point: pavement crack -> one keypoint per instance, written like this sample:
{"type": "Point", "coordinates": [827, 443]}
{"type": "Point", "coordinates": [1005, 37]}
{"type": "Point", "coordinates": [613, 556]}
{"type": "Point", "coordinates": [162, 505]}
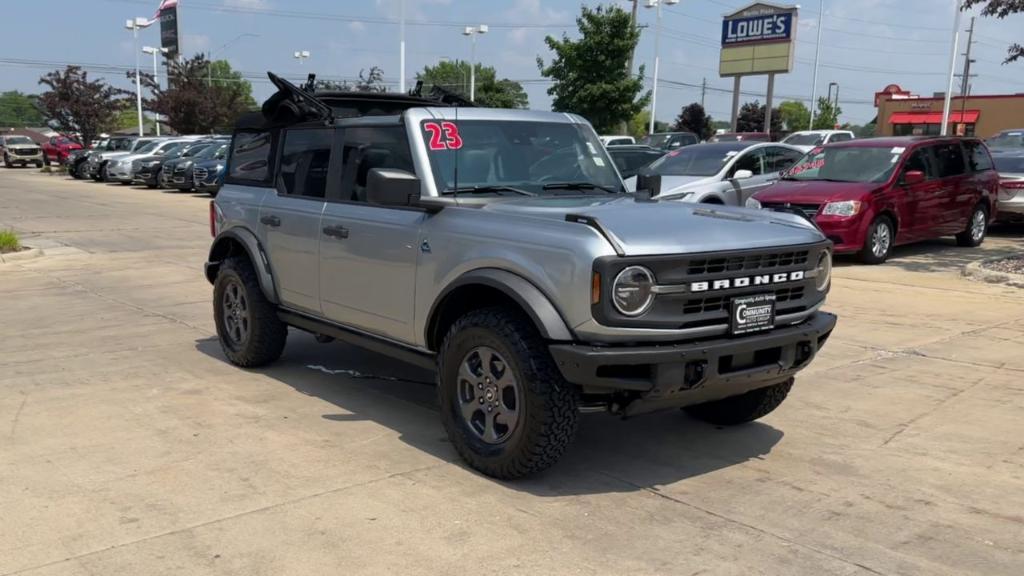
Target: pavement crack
{"type": "Point", "coordinates": [360, 375]}
{"type": "Point", "coordinates": [17, 415]}
{"type": "Point", "coordinates": [746, 525]}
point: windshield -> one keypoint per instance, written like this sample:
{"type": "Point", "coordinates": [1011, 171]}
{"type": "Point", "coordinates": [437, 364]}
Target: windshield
{"type": "Point", "coordinates": [698, 160]}
{"type": "Point", "coordinates": [534, 157]}
{"type": "Point", "coordinates": [189, 153]}
{"type": "Point", "coordinates": [147, 148]}
{"type": "Point", "coordinates": [120, 144]}
{"type": "Point", "coordinates": [213, 151]}
{"type": "Point", "coordinates": [1007, 140]}
{"type": "Point", "coordinates": [19, 140]}
{"type": "Point", "coordinates": [804, 139]}
{"type": "Point", "coordinates": [853, 164]}
{"type": "Point", "coordinates": [1009, 164]}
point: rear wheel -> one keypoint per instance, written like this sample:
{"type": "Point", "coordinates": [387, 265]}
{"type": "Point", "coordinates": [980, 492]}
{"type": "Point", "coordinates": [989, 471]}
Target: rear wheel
{"type": "Point", "coordinates": [880, 239]}
{"type": "Point", "coordinates": [507, 410]}
{"type": "Point", "coordinates": [743, 408]}
{"type": "Point", "coordinates": [249, 330]}
{"type": "Point", "coordinates": [977, 227]}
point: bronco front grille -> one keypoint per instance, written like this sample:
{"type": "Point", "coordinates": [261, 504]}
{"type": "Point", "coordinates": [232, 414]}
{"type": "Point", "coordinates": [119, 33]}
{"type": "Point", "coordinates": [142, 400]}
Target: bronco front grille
{"type": "Point", "coordinates": [719, 303]}
{"type": "Point", "coordinates": [751, 262]}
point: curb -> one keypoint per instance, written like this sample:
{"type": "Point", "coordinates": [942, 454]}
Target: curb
{"type": "Point", "coordinates": [975, 271]}
{"type": "Point", "coordinates": [28, 254]}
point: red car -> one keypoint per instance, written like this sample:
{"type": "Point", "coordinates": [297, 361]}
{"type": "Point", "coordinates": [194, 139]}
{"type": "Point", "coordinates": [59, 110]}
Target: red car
{"type": "Point", "coordinates": [870, 195]}
{"type": "Point", "coordinates": [58, 148]}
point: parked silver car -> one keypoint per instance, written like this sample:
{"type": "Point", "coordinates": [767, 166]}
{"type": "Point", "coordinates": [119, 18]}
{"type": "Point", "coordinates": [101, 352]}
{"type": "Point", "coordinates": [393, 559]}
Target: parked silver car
{"type": "Point", "coordinates": [500, 248]}
{"type": "Point", "coordinates": [720, 172]}
{"type": "Point", "coordinates": [1010, 165]}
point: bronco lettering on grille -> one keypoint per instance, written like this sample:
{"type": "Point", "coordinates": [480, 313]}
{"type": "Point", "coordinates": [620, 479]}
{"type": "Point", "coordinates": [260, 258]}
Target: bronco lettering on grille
{"type": "Point", "coordinates": [760, 280]}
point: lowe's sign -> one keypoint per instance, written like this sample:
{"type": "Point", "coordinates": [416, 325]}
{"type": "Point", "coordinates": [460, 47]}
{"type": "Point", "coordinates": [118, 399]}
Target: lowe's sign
{"type": "Point", "coordinates": [756, 29]}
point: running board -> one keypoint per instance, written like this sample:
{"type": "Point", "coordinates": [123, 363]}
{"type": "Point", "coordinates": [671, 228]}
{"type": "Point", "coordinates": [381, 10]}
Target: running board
{"type": "Point", "coordinates": [363, 340]}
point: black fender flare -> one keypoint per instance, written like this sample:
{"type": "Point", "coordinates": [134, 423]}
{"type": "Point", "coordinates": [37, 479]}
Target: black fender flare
{"type": "Point", "coordinates": [221, 248]}
{"type": "Point", "coordinates": [537, 306]}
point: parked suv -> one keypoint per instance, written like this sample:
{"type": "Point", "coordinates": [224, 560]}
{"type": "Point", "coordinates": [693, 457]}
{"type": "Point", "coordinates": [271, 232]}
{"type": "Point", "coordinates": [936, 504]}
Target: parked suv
{"type": "Point", "coordinates": [871, 195]}
{"type": "Point", "coordinates": [500, 248]}
{"type": "Point", "coordinates": [21, 151]}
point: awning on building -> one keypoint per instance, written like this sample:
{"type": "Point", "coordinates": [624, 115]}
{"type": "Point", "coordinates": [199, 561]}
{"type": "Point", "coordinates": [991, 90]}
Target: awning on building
{"type": "Point", "coordinates": [967, 117]}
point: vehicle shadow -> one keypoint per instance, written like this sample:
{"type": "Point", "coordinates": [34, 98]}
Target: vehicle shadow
{"type": "Point", "coordinates": [943, 254]}
{"type": "Point", "coordinates": [609, 455]}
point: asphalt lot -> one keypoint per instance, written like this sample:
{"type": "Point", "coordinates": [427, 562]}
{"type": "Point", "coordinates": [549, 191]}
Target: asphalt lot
{"type": "Point", "coordinates": [129, 446]}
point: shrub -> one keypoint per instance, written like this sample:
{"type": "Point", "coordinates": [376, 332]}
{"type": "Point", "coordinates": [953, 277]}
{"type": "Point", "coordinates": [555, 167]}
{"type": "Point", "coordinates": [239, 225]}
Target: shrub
{"type": "Point", "coordinates": [9, 241]}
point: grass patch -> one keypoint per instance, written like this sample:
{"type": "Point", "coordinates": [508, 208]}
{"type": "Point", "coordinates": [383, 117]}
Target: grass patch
{"type": "Point", "coordinates": [46, 170]}
{"type": "Point", "coordinates": [9, 241]}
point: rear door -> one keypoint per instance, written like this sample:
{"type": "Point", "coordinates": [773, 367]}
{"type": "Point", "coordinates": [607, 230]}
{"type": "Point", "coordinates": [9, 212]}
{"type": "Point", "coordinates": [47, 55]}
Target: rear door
{"type": "Point", "coordinates": [982, 180]}
{"type": "Point", "coordinates": [368, 252]}
{"type": "Point", "coordinates": [957, 192]}
{"type": "Point", "coordinates": [289, 221]}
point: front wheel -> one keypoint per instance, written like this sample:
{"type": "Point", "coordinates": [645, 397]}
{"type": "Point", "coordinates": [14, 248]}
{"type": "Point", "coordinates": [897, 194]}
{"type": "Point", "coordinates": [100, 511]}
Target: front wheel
{"type": "Point", "coordinates": [743, 408]}
{"type": "Point", "coordinates": [880, 239]}
{"type": "Point", "coordinates": [504, 404]}
{"type": "Point", "coordinates": [974, 234]}
{"type": "Point", "coordinates": [7, 161]}
{"type": "Point", "coordinates": [249, 330]}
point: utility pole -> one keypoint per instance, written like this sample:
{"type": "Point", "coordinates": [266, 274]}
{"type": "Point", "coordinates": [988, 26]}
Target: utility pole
{"type": "Point", "coordinates": [401, 49]}
{"type": "Point", "coordinates": [952, 69]}
{"type": "Point", "coordinates": [965, 82]}
{"type": "Point", "coordinates": [703, 90]}
{"type": "Point", "coordinates": [814, 76]}
{"type": "Point", "coordinates": [623, 126]}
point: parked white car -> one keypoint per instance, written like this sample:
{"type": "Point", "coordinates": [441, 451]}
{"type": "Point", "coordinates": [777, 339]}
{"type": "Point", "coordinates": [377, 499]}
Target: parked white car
{"type": "Point", "coordinates": [720, 172]}
{"type": "Point", "coordinates": [617, 140]}
{"type": "Point", "coordinates": [808, 139]}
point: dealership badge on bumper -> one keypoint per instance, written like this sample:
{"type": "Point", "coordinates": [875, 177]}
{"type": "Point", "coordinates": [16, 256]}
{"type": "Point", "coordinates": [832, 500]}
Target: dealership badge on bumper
{"type": "Point", "coordinates": [752, 314]}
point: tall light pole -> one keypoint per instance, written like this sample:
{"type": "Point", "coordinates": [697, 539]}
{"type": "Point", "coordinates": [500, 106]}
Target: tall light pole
{"type": "Point", "coordinates": [952, 67]}
{"type": "Point", "coordinates": [301, 55]}
{"type": "Point", "coordinates": [817, 53]}
{"type": "Point", "coordinates": [134, 25]}
{"type": "Point", "coordinates": [401, 48]}
{"type": "Point", "coordinates": [657, 56]}
{"type": "Point", "coordinates": [472, 32]}
{"type": "Point", "coordinates": [156, 73]}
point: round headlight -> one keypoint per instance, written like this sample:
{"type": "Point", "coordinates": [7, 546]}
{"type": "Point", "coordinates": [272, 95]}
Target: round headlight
{"type": "Point", "coordinates": [632, 291]}
{"type": "Point", "coordinates": [824, 271]}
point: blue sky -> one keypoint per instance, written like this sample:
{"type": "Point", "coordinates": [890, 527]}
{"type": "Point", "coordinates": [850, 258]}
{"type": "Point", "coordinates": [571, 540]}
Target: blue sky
{"type": "Point", "coordinates": [866, 44]}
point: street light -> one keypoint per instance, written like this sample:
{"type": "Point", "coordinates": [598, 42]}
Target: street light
{"type": "Point", "coordinates": [134, 25]}
{"type": "Point", "coordinates": [472, 32]}
{"type": "Point", "coordinates": [657, 57]}
{"type": "Point", "coordinates": [836, 102]}
{"type": "Point", "coordinates": [156, 72]}
{"type": "Point", "coordinates": [301, 55]}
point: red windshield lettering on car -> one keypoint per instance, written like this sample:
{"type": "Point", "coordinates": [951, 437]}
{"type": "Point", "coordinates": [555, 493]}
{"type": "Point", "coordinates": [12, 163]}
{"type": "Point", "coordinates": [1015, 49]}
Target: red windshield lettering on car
{"type": "Point", "coordinates": [451, 133]}
{"type": "Point", "coordinates": [443, 136]}
{"type": "Point", "coordinates": [435, 135]}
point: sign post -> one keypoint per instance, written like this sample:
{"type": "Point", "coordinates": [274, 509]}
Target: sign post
{"type": "Point", "coordinates": [758, 39]}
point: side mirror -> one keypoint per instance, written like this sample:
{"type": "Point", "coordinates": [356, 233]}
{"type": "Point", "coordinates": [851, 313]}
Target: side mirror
{"type": "Point", "coordinates": [648, 183]}
{"type": "Point", "coordinates": [742, 175]}
{"type": "Point", "coordinates": [389, 187]}
{"type": "Point", "coordinates": [912, 177]}
{"type": "Point", "coordinates": [675, 144]}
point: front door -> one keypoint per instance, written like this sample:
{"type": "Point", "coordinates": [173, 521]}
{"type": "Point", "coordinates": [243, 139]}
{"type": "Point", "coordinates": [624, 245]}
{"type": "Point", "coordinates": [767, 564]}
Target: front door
{"type": "Point", "coordinates": [290, 219]}
{"type": "Point", "coordinates": [755, 161]}
{"type": "Point", "coordinates": [368, 253]}
{"type": "Point", "coordinates": [919, 205]}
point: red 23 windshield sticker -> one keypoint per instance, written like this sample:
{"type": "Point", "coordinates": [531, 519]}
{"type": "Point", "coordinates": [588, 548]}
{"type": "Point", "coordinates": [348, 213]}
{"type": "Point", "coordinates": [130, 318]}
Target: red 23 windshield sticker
{"type": "Point", "coordinates": [443, 135]}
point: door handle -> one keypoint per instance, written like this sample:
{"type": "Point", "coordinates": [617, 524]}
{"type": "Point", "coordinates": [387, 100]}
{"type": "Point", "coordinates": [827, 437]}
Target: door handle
{"type": "Point", "coordinates": [272, 221]}
{"type": "Point", "coordinates": [336, 231]}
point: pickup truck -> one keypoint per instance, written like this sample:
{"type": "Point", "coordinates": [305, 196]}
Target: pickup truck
{"type": "Point", "coordinates": [57, 149]}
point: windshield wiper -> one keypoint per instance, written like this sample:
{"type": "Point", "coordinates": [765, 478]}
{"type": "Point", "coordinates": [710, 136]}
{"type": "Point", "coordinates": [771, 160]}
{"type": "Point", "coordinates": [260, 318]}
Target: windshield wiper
{"type": "Point", "coordinates": [489, 189]}
{"type": "Point", "coordinates": [578, 186]}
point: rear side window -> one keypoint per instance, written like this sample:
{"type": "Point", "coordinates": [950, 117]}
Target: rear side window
{"type": "Point", "coordinates": [950, 160]}
{"type": "Point", "coordinates": [305, 157]}
{"type": "Point", "coordinates": [839, 137]}
{"type": "Point", "coordinates": [369, 147]}
{"type": "Point", "coordinates": [250, 158]}
{"type": "Point", "coordinates": [978, 159]}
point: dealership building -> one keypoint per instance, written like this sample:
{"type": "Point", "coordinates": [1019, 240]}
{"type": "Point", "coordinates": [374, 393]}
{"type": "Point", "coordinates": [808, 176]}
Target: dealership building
{"type": "Point", "coordinates": [901, 113]}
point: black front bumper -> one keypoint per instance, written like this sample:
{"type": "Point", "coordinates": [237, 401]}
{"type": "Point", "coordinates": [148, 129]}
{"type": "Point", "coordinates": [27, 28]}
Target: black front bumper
{"type": "Point", "coordinates": [675, 375]}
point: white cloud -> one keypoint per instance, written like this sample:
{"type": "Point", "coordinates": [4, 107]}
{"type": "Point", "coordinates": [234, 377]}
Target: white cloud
{"type": "Point", "coordinates": [356, 26]}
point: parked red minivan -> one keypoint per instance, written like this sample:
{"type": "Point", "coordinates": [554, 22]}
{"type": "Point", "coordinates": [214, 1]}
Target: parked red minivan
{"type": "Point", "coordinates": [870, 195]}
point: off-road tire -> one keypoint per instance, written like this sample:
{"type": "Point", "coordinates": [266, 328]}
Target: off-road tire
{"type": "Point", "coordinates": [267, 333]}
{"type": "Point", "coordinates": [967, 238]}
{"type": "Point", "coordinates": [867, 255]}
{"type": "Point", "coordinates": [743, 408]}
{"type": "Point", "coordinates": [549, 416]}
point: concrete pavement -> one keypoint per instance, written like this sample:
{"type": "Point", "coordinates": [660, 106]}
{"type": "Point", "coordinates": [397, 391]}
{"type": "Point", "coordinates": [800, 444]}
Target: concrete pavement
{"type": "Point", "coordinates": [129, 446]}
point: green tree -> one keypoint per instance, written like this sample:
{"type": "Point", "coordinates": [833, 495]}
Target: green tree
{"type": "Point", "coordinates": [694, 119]}
{"type": "Point", "coordinates": [19, 110]}
{"type": "Point", "coordinates": [75, 104]}
{"type": "Point", "coordinates": [827, 115]}
{"type": "Point", "coordinates": [491, 92]}
{"type": "Point", "coordinates": [590, 75]}
{"type": "Point", "coordinates": [639, 125]}
{"type": "Point", "coordinates": [1001, 9]}
{"type": "Point", "coordinates": [128, 118]}
{"type": "Point", "coordinates": [369, 81]}
{"type": "Point", "coordinates": [200, 98]}
{"type": "Point", "coordinates": [751, 118]}
{"type": "Point", "coordinates": [794, 115]}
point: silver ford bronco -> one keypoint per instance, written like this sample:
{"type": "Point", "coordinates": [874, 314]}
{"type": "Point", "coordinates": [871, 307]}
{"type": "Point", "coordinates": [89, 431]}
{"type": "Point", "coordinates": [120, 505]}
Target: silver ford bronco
{"type": "Point", "coordinates": [501, 249]}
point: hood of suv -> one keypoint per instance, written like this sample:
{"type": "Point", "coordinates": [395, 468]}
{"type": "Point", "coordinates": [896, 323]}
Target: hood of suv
{"type": "Point", "coordinates": [22, 146]}
{"type": "Point", "coordinates": [652, 228]}
{"type": "Point", "coordinates": [814, 191]}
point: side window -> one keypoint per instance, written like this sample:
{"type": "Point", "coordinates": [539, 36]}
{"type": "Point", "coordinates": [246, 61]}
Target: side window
{"type": "Point", "coordinates": [950, 160]}
{"type": "Point", "coordinates": [839, 137]}
{"type": "Point", "coordinates": [305, 157]}
{"type": "Point", "coordinates": [752, 161]}
{"type": "Point", "coordinates": [369, 147]}
{"type": "Point", "coordinates": [250, 158]}
{"type": "Point", "coordinates": [622, 161]}
{"type": "Point", "coordinates": [921, 161]}
{"type": "Point", "coordinates": [978, 159]}
{"type": "Point", "coordinates": [779, 159]}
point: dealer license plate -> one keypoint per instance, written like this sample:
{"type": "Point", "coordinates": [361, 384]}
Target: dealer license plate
{"type": "Point", "coordinates": [752, 314]}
